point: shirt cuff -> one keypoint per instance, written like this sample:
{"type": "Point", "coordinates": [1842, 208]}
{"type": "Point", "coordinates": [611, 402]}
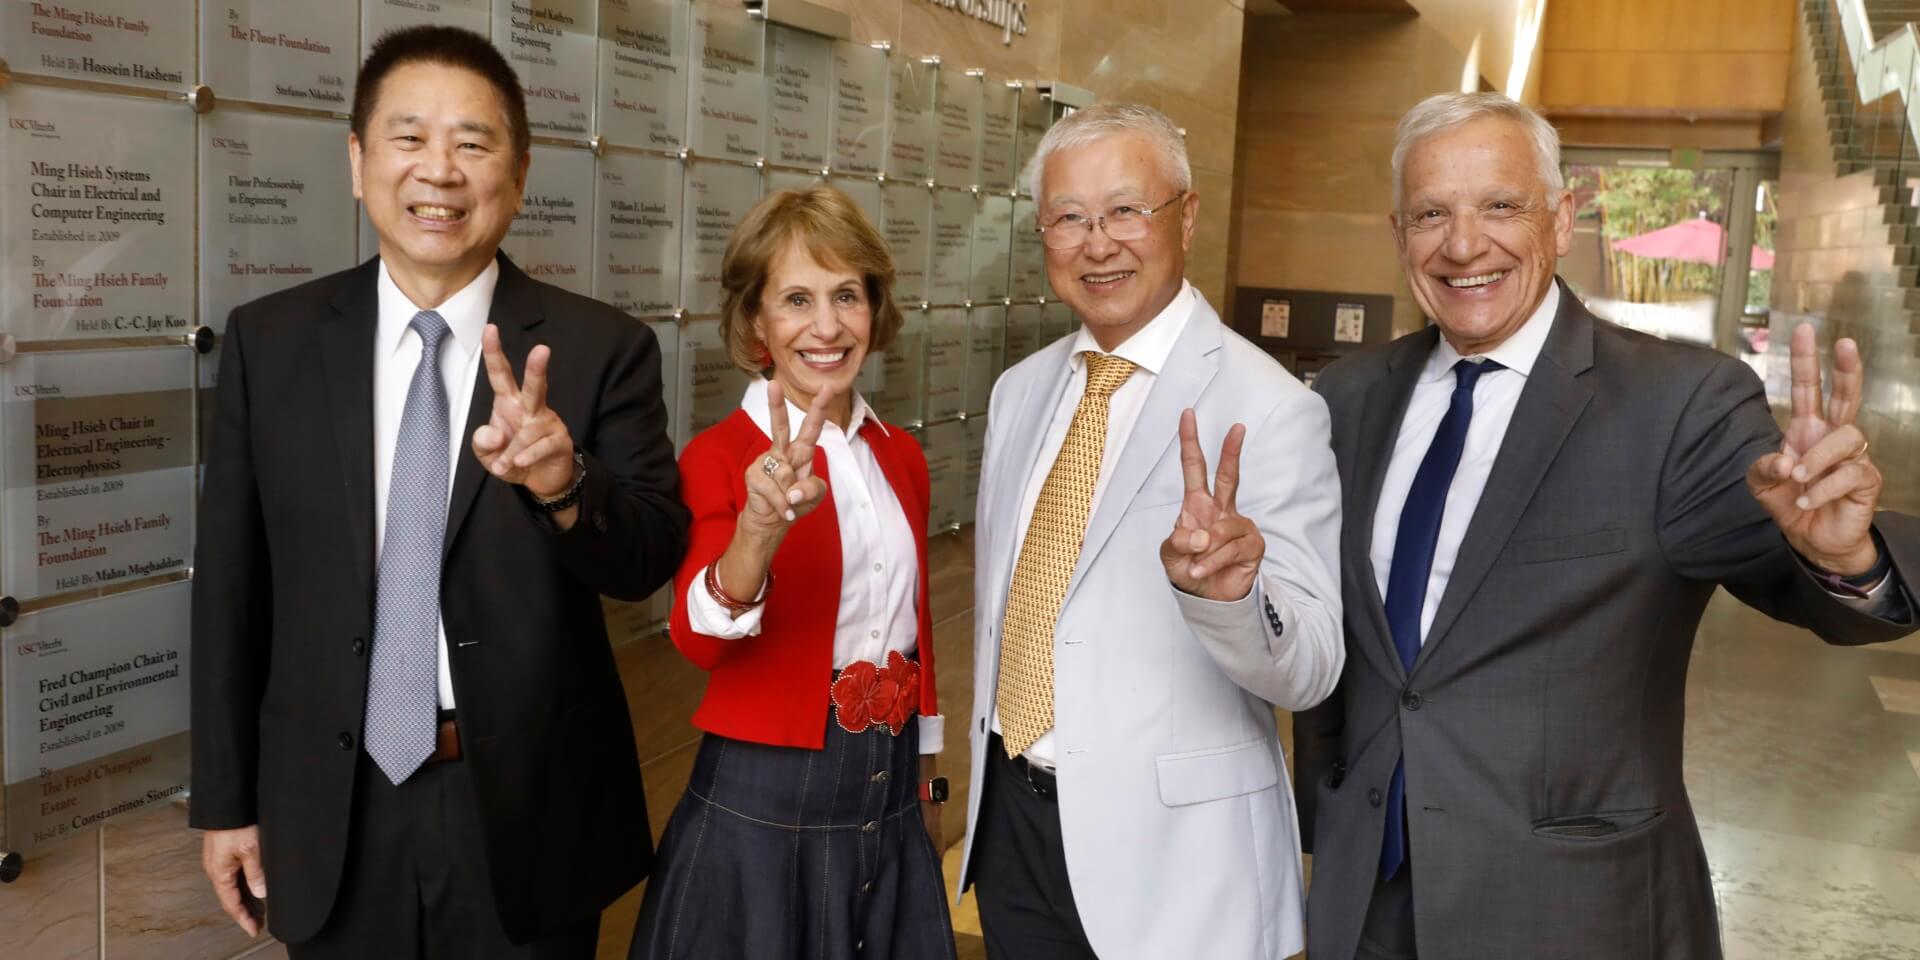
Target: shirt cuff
{"type": "Point", "coordinates": [706, 616]}
{"type": "Point", "coordinates": [1886, 601]}
{"type": "Point", "coordinates": [933, 734]}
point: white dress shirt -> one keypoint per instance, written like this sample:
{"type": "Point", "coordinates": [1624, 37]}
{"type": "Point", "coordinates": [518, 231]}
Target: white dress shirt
{"type": "Point", "coordinates": [1494, 398]}
{"type": "Point", "coordinates": [396, 352]}
{"type": "Point", "coordinates": [879, 560]}
{"type": "Point", "coordinates": [1148, 350]}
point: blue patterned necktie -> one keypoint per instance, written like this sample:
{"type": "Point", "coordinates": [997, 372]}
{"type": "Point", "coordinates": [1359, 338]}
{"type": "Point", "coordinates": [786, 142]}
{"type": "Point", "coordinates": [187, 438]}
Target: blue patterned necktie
{"type": "Point", "coordinates": [1413, 546]}
{"type": "Point", "coordinates": [403, 680]}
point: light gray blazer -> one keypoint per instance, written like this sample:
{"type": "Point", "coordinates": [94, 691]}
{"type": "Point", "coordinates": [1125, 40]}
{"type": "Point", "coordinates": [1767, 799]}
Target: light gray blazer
{"type": "Point", "coordinates": [1542, 720]}
{"type": "Point", "coordinates": [1180, 833]}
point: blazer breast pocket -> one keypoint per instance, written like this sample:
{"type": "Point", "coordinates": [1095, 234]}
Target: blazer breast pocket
{"type": "Point", "coordinates": [1216, 774]}
{"type": "Point", "coordinates": [1548, 549]}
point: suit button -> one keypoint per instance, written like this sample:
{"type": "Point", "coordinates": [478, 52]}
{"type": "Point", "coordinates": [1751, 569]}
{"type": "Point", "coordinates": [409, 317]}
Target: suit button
{"type": "Point", "coordinates": [1337, 776]}
{"type": "Point", "coordinates": [1412, 700]}
{"type": "Point", "coordinates": [867, 887]}
{"type": "Point", "coordinates": [880, 777]}
{"type": "Point", "coordinates": [600, 522]}
{"type": "Point", "coordinates": [1373, 797]}
{"type": "Point", "coordinates": [870, 826]}
{"type": "Point", "coordinates": [346, 741]}
{"type": "Point", "coordinates": [359, 646]}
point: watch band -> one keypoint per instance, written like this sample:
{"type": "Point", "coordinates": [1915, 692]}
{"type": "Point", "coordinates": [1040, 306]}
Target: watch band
{"type": "Point", "coordinates": [572, 496]}
{"type": "Point", "coordinates": [934, 790]}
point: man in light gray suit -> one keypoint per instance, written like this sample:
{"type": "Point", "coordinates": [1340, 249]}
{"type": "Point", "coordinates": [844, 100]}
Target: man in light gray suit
{"type": "Point", "coordinates": [1539, 505]}
{"type": "Point", "coordinates": [1136, 620]}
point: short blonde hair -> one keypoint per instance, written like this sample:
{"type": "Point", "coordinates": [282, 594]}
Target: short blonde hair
{"type": "Point", "coordinates": [831, 228]}
{"type": "Point", "coordinates": [1445, 111]}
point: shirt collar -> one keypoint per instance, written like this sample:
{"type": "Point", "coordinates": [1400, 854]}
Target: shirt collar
{"type": "Point", "coordinates": [757, 408]}
{"type": "Point", "coordinates": [465, 312]}
{"type": "Point", "coordinates": [1149, 347]}
{"type": "Point", "coordinates": [1517, 353]}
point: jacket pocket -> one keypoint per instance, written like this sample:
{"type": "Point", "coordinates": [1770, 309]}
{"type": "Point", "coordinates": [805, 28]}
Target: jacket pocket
{"type": "Point", "coordinates": [1216, 774]}
{"type": "Point", "coordinates": [1591, 544]}
{"type": "Point", "coordinates": [1599, 826]}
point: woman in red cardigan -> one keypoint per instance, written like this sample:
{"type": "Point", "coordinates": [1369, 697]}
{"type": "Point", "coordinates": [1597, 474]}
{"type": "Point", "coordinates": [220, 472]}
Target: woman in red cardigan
{"type": "Point", "coordinates": [806, 829]}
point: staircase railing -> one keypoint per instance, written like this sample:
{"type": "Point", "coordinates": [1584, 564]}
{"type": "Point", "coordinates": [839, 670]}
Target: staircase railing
{"type": "Point", "coordinates": [1883, 65]}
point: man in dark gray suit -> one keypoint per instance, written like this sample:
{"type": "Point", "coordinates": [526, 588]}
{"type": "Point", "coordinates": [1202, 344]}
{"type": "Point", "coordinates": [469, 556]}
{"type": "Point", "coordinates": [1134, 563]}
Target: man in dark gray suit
{"type": "Point", "coordinates": [1538, 507]}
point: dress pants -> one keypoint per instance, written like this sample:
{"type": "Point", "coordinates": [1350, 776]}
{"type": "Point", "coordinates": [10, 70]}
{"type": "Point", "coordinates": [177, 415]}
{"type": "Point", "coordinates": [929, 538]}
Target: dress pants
{"type": "Point", "coordinates": [1020, 870]}
{"type": "Point", "coordinates": [1387, 933]}
{"type": "Point", "coordinates": [416, 884]}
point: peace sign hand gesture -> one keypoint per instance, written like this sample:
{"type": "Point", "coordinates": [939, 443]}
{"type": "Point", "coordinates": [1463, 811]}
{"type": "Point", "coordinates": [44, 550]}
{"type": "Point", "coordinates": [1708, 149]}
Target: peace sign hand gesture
{"type": "Point", "coordinates": [524, 442]}
{"type": "Point", "coordinates": [781, 487]}
{"type": "Point", "coordinates": [1213, 551]}
{"type": "Point", "coordinates": [1821, 488]}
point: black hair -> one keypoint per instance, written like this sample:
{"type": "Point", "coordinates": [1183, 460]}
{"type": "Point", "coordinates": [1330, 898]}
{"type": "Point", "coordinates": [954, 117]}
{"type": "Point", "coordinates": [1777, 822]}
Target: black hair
{"type": "Point", "coordinates": [447, 46]}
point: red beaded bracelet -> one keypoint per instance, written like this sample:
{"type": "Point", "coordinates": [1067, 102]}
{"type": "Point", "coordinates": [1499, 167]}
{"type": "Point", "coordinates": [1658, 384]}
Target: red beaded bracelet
{"type": "Point", "coordinates": [720, 596]}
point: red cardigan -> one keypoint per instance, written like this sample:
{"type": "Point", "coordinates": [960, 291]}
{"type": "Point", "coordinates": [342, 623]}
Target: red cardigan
{"type": "Point", "coordinates": [774, 688]}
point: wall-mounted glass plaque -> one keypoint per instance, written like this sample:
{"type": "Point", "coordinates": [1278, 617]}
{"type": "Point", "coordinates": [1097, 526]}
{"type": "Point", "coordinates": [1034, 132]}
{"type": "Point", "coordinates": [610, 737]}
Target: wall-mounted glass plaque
{"type": "Point", "coordinates": [992, 247]}
{"type": "Point", "coordinates": [1035, 116]}
{"type": "Point", "coordinates": [946, 363]}
{"type": "Point", "coordinates": [999, 110]}
{"type": "Point", "coordinates": [799, 85]}
{"type": "Point", "coordinates": [859, 107]}
{"type": "Point", "coordinates": [98, 450]}
{"type": "Point", "coordinates": [910, 130]}
{"type": "Point", "coordinates": [551, 44]}
{"type": "Point", "coordinates": [866, 193]}
{"type": "Point", "coordinates": [643, 76]}
{"type": "Point", "coordinates": [976, 456]}
{"type": "Point", "coordinates": [729, 85]}
{"type": "Point", "coordinates": [949, 274]}
{"type": "Point", "coordinates": [1057, 321]}
{"type": "Point", "coordinates": [792, 180]}
{"type": "Point", "coordinates": [714, 384]}
{"type": "Point", "coordinates": [718, 195]}
{"type": "Point", "coordinates": [959, 101]}
{"type": "Point", "coordinates": [903, 372]}
{"type": "Point", "coordinates": [96, 200]}
{"type": "Point", "coordinates": [986, 335]}
{"type": "Point", "coordinates": [945, 445]}
{"type": "Point", "coordinates": [1025, 332]}
{"type": "Point", "coordinates": [676, 382]}
{"type": "Point", "coordinates": [908, 227]}
{"type": "Point", "coordinates": [96, 697]}
{"type": "Point", "coordinates": [1028, 268]}
{"type": "Point", "coordinates": [272, 51]}
{"type": "Point", "coordinates": [276, 206]}
{"type": "Point", "coordinates": [141, 43]}
{"type": "Point", "coordinates": [639, 214]}
{"type": "Point", "coordinates": [378, 17]}
{"type": "Point", "coordinates": [552, 237]}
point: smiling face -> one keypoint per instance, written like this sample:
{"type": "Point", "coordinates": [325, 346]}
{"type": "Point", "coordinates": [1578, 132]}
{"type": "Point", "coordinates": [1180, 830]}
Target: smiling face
{"type": "Point", "coordinates": [816, 322]}
{"type": "Point", "coordinates": [1116, 288]}
{"type": "Point", "coordinates": [1478, 237]}
{"type": "Point", "coordinates": [439, 175]}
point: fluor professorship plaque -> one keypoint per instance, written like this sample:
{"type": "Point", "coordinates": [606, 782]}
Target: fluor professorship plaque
{"type": "Point", "coordinates": [96, 713]}
{"type": "Point", "coordinates": [96, 198]}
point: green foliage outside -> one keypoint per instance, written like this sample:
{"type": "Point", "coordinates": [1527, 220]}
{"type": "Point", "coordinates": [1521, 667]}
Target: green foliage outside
{"type": "Point", "coordinates": [1630, 201]}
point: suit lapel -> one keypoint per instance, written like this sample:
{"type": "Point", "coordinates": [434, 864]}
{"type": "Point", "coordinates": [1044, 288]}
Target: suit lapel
{"type": "Point", "coordinates": [346, 356]}
{"type": "Point", "coordinates": [1022, 446]}
{"type": "Point", "coordinates": [516, 311]}
{"type": "Point", "coordinates": [1550, 404]}
{"type": "Point", "coordinates": [1189, 368]}
{"type": "Point", "coordinates": [1382, 411]}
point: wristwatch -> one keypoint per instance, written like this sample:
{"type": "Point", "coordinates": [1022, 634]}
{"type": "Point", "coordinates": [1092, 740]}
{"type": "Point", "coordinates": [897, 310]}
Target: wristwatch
{"type": "Point", "coordinates": [572, 496]}
{"type": "Point", "coordinates": [934, 790]}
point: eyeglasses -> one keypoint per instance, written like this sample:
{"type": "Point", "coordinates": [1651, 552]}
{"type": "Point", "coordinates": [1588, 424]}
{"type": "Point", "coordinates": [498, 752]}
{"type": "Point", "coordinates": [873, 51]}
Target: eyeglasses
{"type": "Point", "coordinates": [1123, 223]}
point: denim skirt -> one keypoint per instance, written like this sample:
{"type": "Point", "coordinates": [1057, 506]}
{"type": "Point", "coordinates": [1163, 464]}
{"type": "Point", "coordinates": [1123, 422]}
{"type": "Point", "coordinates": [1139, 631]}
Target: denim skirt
{"type": "Point", "coordinates": [785, 852]}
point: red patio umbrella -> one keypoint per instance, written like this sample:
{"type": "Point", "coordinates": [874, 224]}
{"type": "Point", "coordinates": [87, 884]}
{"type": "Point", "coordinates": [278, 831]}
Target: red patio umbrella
{"type": "Point", "coordinates": [1693, 241]}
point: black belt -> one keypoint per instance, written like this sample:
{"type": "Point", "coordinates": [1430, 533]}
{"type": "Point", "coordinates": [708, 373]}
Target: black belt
{"type": "Point", "coordinates": [1043, 782]}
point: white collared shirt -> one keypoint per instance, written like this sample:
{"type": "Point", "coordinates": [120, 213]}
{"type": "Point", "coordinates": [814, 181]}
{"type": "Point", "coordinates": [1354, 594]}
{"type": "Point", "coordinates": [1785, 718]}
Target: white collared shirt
{"type": "Point", "coordinates": [879, 560]}
{"type": "Point", "coordinates": [396, 353]}
{"type": "Point", "coordinates": [1148, 349]}
{"type": "Point", "coordinates": [1494, 398]}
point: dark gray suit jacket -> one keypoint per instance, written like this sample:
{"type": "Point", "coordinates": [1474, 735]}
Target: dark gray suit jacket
{"type": "Point", "coordinates": [1542, 722]}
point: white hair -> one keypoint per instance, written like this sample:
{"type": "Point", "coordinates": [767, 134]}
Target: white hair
{"type": "Point", "coordinates": [1443, 112]}
{"type": "Point", "coordinates": [1103, 120]}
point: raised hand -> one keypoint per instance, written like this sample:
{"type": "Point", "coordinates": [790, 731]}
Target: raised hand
{"type": "Point", "coordinates": [524, 442]}
{"type": "Point", "coordinates": [1213, 551]}
{"type": "Point", "coordinates": [1821, 488]}
{"type": "Point", "coordinates": [781, 487]}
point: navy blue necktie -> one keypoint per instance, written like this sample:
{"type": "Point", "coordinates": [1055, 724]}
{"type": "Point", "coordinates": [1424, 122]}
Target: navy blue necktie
{"type": "Point", "coordinates": [1413, 546]}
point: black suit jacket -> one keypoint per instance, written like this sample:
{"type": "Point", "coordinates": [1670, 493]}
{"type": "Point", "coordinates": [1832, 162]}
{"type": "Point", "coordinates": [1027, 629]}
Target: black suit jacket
{"type": "Point", "coordinates": [1542, 722]}
{"type": "Point", "coordinates": [283, 595]}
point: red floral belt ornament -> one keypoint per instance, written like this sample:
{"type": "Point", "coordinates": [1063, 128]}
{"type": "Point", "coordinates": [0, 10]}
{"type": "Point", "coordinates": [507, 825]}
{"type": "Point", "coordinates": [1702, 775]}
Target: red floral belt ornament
{"type": "Point", "coordinates": [868, 695]}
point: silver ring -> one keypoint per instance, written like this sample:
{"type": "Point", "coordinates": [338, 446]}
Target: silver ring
{"type": "Point", "coordinates": [769, 466]}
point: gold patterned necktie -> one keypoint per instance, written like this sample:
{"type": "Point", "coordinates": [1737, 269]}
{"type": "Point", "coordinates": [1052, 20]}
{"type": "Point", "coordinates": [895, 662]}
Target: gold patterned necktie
{"type": "Point", "coordinates": [1047, 557]}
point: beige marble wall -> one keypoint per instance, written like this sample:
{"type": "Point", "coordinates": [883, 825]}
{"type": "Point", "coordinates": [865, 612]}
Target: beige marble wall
{"type": "Point", "coordinates": [1318, 113]}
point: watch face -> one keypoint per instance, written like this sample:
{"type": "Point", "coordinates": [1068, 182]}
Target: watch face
{"type": "Point", "coordinates": [937, 790]}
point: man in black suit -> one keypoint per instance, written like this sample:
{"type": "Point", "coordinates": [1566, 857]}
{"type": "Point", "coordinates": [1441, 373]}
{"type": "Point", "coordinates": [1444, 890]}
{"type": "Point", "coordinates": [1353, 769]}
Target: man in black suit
{"type": "Point", "coordinates": [406, 714]}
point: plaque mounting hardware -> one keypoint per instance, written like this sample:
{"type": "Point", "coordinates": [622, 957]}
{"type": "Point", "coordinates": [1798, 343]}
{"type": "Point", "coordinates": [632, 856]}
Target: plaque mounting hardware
{"type": "Point", "coordinates": [9, 611]}
{"type": "Point", "coordinates": [804, 15]}
{"type": "Point", "coordinates": [201, 340]}
{"type": "Point", "coordinates": [976, 72]}
{"type": "Point", "coordinates": [6, 72]}
{"type": "Point", "coordinates": [1067, 95]}
{"type": "Point", "coordinates": [201, 99]}
{"type": "Point", "coordinates": [10, 866]}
